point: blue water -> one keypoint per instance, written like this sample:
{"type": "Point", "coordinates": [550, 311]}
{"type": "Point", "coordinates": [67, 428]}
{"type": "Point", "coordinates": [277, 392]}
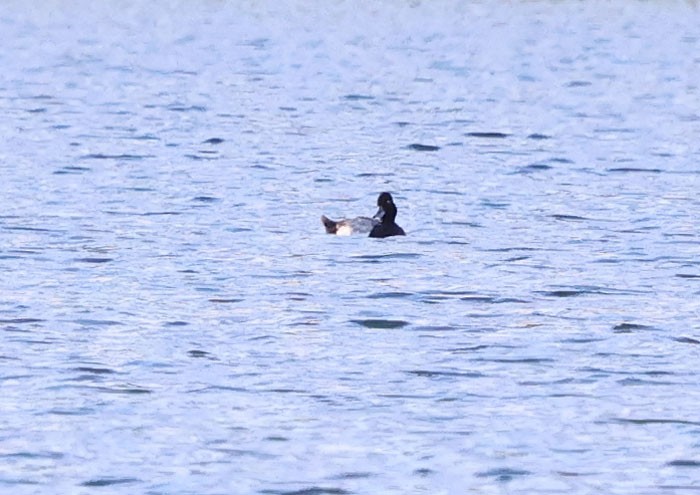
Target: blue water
{"type": "Point", "coordinates": [174, 319]}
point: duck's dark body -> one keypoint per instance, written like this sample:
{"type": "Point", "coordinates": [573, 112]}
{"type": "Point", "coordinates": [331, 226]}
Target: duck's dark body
{"type": "Point", "coordinates": [382, 230]}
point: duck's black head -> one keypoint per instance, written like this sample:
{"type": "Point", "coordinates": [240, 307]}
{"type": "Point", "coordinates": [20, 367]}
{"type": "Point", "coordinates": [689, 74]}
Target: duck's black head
{"type": "Point", "coordinates": [387, 208]}
{"type": "Point", "coordinates": [384, 198]}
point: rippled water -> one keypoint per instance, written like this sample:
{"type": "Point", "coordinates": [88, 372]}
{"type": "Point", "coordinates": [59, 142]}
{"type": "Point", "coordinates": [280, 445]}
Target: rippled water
{"type": "Point", "coordinates": [175, 321]}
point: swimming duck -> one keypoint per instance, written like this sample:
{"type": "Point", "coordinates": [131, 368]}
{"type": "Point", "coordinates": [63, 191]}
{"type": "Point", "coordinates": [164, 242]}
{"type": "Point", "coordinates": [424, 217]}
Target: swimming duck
{"type": "Point", "coordinates": [381, 225]}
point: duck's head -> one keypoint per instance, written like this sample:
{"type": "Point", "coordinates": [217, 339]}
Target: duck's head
{"type": "Point", "coordinates": [387, 208]}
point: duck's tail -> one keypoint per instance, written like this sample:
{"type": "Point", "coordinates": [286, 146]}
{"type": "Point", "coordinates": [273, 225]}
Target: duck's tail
{"type": "Point", "coordinates": [330, 225]}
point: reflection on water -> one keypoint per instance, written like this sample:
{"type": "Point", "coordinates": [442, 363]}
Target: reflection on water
{"type": "Point", "coordinates": [176, 320]}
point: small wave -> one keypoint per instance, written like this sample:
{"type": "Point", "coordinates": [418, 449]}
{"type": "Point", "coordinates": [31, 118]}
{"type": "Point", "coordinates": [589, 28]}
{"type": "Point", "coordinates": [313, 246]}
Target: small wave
{"type": "Point", "coordinates": [196, 353]}
{"type": "Point", "coordinates": [200, 157]}
{"type": "Point", "coordinates": [470, 349]}
{"type": "Point", "coordinates": [206, 199]}
{"type": "Point", "coordinates": [127, 390]}
{"type": "Point", "coordinates": [629, 327]}
{"type": "Point", "coordinates": [467, 296]}
{"type": "Point", "coordinates": [357, 97]}
{"type": "Point", "coordinates": [443, 191]}
{"type": "Point", "coordinates": [581, 340]}
{"type": "Point", "coordinates": [510, 249]}
{"type": "Point", "coordinates": [288, 391]}
{"type": "Point", "coordinates": [636, 170]}
{"type": "Point", "coordinates": [520, 360]}
{"type": "Point", "coordinates": [375, 174]}
{"type": "Point", "coordinates": [379, 323]}
{"type": "Point", "coordinates": [684, 463]}
{"type": "Point", "coordinates": [78, 411]}
{"type": "Point", "coordinates": [515, 259]}
{"type": "Point", "coordinates": [99, 482]}
{"type": "Point", "coordinates": [632, 382]}
{"type": "Point", "coordinates": [495, 205]}
{"type": "Point", "coordinates": [423, 472]}
{"type": "Point", "coordinates": [276, 438]}
{"type": "Point", "coordinates": [18, 321]}
{"type": "Point", "coordinates": [423, 147]}
{"type": "Point", "coordinates": [534, 167]}
{"type": "Point", "coordinates": [503, 474]}
{"type": "Point", "coordinates": [96, 371]}
{"type": "Point", "coordinates": [378, 257]}
{"type": "Point", "coordinates": [564, 293]}
{"type": "Point", "coordinates": [190, 108]}
{"type": "Point", "coordinates": [177, 323]}
{"type": "Point", "coordinates": [565, 217]}
{"type": "Point", "coordinates": [587, 289]}
{"type": "Point", "coordinates": [146, 137]}
{"type": "Point", "coordinates": [34, 455]}
{"type": "Point", "coordinates": [29, 229]}
{"type": "Point", "coordinates": [439, 374]}
{"type": "Point", "coordinates": [488, 135]}
{"type": "Point", "coordinates": [101, 323]}
{"type": "Point", "coordinates": [656, 421]}
{"type": "Point", "coordinates": [352, 476]}
{"type": "Point", "coordinates": [314, 490]}
{"type": "Point", "coordinates": [389, 295]}
{"type": "Point", "coordinates": [71, 170]}
{"type": "Point", "coordinates": [435, 328]}
{"type": "Point", "coordinates": [105, 156]}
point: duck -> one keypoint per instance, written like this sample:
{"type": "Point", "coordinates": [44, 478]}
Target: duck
{"type": "Point", "coordinates": [386, 216]}
{"type": "Point", "coordinates": [383, 224]}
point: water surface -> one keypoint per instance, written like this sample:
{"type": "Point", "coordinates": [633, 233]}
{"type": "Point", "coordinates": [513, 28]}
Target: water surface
{"type": "Point", "coordinates": [175, 321]}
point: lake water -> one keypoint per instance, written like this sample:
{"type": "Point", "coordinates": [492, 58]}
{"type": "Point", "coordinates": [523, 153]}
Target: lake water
{"type": "Point", "coordinates": [174, 319]}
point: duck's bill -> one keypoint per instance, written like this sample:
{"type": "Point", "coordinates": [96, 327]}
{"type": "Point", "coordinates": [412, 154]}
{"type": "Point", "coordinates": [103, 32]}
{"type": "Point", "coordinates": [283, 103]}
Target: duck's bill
{"type": "Point", "coordinates": [379, 215]}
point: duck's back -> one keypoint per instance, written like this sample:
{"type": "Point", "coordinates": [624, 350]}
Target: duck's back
{"type": "Point", "coordinates": [358, 225]}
